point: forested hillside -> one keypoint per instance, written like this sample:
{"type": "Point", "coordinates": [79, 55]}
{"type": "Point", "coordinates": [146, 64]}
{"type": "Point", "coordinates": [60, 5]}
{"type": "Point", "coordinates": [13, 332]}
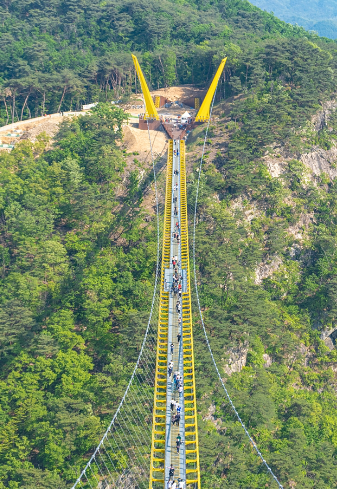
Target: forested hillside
{"type": "Point", "coordinates": [56, 55]}
{"type": "Point", "coordinates": [77, 256]}
{"type": "Point", "coordinates": [316, 15]}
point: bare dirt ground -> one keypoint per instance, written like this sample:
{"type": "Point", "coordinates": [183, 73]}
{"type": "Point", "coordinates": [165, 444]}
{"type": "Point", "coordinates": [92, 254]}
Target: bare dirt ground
{"type": "Point", "coordinates": [137, 140]}
{"type": "Point", "coordinates": [179, 93]}
{"type": "Point", "coordinates": [50, 127]}
{"type": "Point", "coordinates": [30, 129]}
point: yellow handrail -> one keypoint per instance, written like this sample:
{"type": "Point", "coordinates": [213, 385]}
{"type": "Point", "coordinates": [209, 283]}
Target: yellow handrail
{"type": "Point", "coordinates": [191, 435]}
{"type": "Point", "coordinates": [159, 408]}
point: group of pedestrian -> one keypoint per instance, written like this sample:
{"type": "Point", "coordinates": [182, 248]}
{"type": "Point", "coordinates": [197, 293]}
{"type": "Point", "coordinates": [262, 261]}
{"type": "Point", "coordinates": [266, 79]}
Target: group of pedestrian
{"type": "Point", "coordinates": [176, 419]}
{"type": "Point", "coordinates": [176, 282]}
{"type": "Point", "coordinates": [176, 235]}
{"type": "Point", "coordinates": [176, 232]}
{"type": "Point", "coordinates": [176, 485]}
{"type": "Point", "coordinates": [178, 381]}
{"type": "Point", "coordinates": [175, 211]}
{"type": "Point", "coordinates": [175, 406]}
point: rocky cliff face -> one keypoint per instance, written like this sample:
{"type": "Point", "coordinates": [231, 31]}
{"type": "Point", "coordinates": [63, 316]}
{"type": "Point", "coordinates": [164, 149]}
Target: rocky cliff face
{"type": "Point", "coordinates": [237, 358]}
{"type": "Point", "coordinates": [321, 161]}
{"type": "Point", "coordinates": [265, 270]}
{"type": "Point", "coordinates": [321, 119]}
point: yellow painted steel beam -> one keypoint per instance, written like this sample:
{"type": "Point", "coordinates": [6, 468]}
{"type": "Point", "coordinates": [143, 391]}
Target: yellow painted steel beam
{"type": "Point", "coordinates": [188, 353]}
{"type": "Point", "coordinates": [150, 109]}
{"type": "Point", "coordinates": [203, 113]}
{"type": "Point", "coordinates": [158, 436]}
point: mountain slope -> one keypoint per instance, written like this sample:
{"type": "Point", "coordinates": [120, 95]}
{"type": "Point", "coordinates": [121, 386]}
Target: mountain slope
{"type": "Point", "coordinates": [316, 15]}
{"type": "Point", "coordinates": [77, 246]}
{"type": "Point", "coordinates": [57, 55]}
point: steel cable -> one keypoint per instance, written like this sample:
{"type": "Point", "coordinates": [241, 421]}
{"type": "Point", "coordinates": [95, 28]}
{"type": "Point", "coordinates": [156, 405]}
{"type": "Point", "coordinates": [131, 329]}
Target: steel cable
{"type": "Point", "coordinates": [202, 320]}
{"type": "Point", "coordinates": [148, 328]}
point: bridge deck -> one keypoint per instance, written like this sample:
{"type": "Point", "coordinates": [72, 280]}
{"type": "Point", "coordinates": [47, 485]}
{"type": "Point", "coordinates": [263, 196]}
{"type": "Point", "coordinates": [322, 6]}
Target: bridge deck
{"type": "Point", "coordinates": [164, 451]}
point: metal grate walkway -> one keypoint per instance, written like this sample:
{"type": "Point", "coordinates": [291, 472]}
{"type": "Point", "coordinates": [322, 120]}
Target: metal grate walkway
{"type": "Point", "coordinates": [175, 359]}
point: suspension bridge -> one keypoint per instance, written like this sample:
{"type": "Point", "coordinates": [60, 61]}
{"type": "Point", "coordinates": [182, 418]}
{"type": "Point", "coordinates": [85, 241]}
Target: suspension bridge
{"type": "Point", "coordinates": [152, 440]}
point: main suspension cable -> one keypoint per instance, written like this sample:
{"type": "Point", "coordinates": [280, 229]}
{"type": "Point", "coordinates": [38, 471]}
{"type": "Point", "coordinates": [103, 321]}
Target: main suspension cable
{"type": "Point", "coordinates": [201, 315]}
{"type": "Point", "coordinates": [108, 430]}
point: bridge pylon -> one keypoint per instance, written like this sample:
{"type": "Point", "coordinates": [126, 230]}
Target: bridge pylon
{"type": "Point", "coordinates": [203, 114]}
{"type": "Point", "coordinates": [150, 109]}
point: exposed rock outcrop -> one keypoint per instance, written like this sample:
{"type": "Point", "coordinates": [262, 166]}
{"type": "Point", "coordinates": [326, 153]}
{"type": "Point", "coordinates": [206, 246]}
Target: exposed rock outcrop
{"type": "Point", "coordinates": [329, 336]}
{"type": "Point", "coordinates": [321, 161]}
{"type": "Point", "coordinates": [267, 360]}
{"type": "Point", "coordinates": [302, 225]}
{"type": "Point", "coordinates": [237, 358]}
{"type": "Point", "coordinates": [276, 166]}
{"type": "Point", "coordinates": [320, 120]}
{"type": "Point", "coordinates": [265, 270]}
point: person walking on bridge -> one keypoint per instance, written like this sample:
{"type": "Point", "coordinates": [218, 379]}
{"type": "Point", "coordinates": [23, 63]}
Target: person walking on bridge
{"type": "Point", "coordinates": [172, 346]}
{"type": "Point", "coordinates": [171, 472]}
{"type": "Point", "coordinates": [178, 443]}
{"type": "Point", "coordinates": [178, 337]}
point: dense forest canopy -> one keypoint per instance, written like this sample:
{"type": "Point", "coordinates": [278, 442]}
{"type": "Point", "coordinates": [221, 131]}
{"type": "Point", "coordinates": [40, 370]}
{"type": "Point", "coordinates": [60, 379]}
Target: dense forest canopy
{"type": "Point", "coordinates": [315, 15]}
{"type": "Point", "coordinates": [77, 256]}
{"type": "Point", "coordinates": [56, 55]}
